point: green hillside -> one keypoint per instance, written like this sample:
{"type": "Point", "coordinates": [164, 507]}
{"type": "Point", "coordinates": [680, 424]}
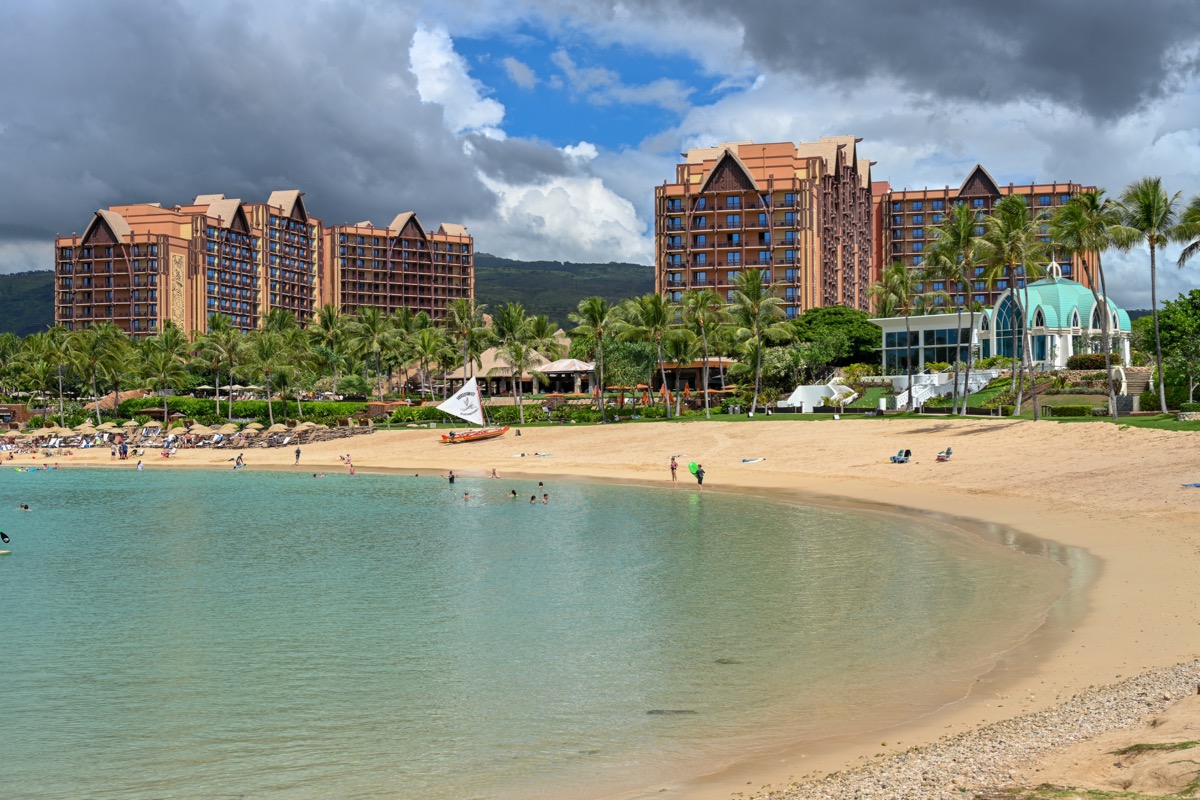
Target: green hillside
{"type": "Point", "coordinates": [555, 288]}
{"type": "Point", "coordinates": [26, 302]}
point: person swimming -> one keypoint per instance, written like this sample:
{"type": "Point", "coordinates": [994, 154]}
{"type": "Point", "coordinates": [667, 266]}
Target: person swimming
{"type": "Point", "coordinates": [512, 495]}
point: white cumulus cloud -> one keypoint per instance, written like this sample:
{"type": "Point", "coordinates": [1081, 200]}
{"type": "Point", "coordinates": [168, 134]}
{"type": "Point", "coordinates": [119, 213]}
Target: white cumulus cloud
{"type": "Point", "coordinates": [519, 72]}
{"type": "Point", "coordinates": [443, 79]}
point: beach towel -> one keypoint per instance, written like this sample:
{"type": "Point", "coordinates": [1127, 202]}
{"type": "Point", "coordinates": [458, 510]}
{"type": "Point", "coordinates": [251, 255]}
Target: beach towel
{"type": "Point", "coordinates": [1191, 485]}
{"type": "Point", "coordinates": [752, 460]}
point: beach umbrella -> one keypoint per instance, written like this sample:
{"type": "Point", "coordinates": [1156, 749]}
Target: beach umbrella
{"type": "Point", "coordinates": [320, 427]}
{"type": "Point", "coordinates": [278, 427]}
{"type": "Point", "coordinates": [106, 426]}
{"type": "Point", "coordinates": [249, 432]}
{"type": "Point", "coordinates": [130, 424]}
{"type": "Point", "coordinates": [200, 430]}
{"type": "Point", "coordinates": [254, 426]}
{"type": "Point", "coordinates": [206, 388]}
{"type": "Point", "coordinates": [227, 429]}
{"type": "Point", "coordinates": [237, 387]}
{"type": "Point", "coordinates": [154, 424]}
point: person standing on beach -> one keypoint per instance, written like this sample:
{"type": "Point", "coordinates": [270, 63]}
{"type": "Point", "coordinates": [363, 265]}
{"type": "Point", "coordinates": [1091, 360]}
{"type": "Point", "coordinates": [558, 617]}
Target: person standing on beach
{"type": "Point", "coordinates": [139, 465]}
{"type": "Point", "coordinates": [297, 458]}
{"type": "Point", "coordinates": [674, 466]}
{"type": "Point", "coordinates": [700, 476]}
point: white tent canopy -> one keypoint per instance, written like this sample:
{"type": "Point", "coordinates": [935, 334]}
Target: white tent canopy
{"type": "Point", "coordinates": [810, 396]}
{"type": "Point", "coordinates": [564, 365]}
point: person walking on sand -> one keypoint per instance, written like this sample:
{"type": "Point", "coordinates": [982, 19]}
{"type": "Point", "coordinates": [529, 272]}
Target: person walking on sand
{"type": "Point", "coordinates": [494, 473]}
{"type": "Point", "coordinates": [297, 458]}
{"type": "Point", "coordinates": [674, 466]}
{"type": "Point", "coordinates": [700, 476]}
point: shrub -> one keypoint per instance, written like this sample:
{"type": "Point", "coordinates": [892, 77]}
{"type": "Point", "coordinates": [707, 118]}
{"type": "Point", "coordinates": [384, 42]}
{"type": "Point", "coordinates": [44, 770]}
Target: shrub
{"type": "Point", "coordinates": [1091, 361]}
{"type": "Point", "coordinates": [1189, 407]}
{"type": "Point", "coordinates": [205, 411]}
{"type": "Point", "coordinates": [856, 372]}
{"type": "Point", "coordinates": [995, 362]}
{"type": "Point", "coordinates": [1070, 411]}
{"type": "Point", "coordinates": [936, 366]}
{"type": "Point", "coordinates": [407, 414]}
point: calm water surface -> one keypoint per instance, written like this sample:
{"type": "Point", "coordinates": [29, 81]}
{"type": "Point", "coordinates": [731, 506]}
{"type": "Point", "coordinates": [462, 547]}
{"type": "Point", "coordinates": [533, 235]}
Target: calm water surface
{"type": "Point", "coordinates": [256, 634]}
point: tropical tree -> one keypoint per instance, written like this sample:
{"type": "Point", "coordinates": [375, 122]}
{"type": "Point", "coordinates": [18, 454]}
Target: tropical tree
{"type": "Point", "coordinates": [758, 314]}
{"type": "Point", "coordinates": [431, 346]}
{"type": "Point", "coordinates": [329, 331]}
{"type": "Point", "coordinates": [648, 319]}
{"type": "Point", "coordinates": [593, 318]}
{"type": "Point", "coordinates": [895, 293]}
{"type": "Point", "coordinates": [95, 351]}
{"type": "Point", "coordinates": [1188, 231]}
{"type": "Point", "coordinates": [1012, 244]}
{"type": "Point", "coordinates": [954, 254]}
{"type": "Point", "coordinates": [372, 335]}
{"type": "Point", "coordinates": [1149, 215]}
{"type": "Point", "coordinates": [682, 347]}
{"type": "Point", "coordinates": [161, 368]}
{"type": "Point", "coordinates": [56, 347]}
{"type": "Point", "coordinates": [10, 349]}
{"type": "Point", "coordinates": [464, 324]}
{"type": "Point", "coordinates": [1083, 226]}
{"type": "Point", "coordinates": [703, 312]}
{"type": "Point", "coordinates": [267, 357]}
{"type": "Point", "coordinates": [212, 349]}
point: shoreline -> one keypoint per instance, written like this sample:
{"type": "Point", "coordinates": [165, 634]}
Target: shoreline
{"type": "Point", "coordinates": [1115, 495]}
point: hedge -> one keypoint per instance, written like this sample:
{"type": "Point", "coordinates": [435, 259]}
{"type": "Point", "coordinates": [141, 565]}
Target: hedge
{"type": "Point", "coordinates": [1070, 411]}
{"type": "Point", "coordinates": [205, 410]}
{"type": "Point", "coordinates": [1091, 361]}
{"type": "Point", "coordinates": [1189, 407]}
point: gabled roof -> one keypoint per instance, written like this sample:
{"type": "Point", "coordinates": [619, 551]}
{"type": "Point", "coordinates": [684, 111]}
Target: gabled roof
{"type": "Point", "coordinates": [288, 201]}
{"type": "Point", "coordinates": [979, 184]}
{"type": "Point", "coordinates": [451, 229]}
{"type": "Point", "coordinates": [225, 210]}
{"type": "Point", "coordinates": [403, 219]}
{"type": "Point", "coordinates": [207, 199]}
{"type": "Point", "coordinates": [113, 221]}
{"type": "Point", "coordinates": [730, 158]}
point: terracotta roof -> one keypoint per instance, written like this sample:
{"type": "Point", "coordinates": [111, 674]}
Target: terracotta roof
{"type": "Point", "coordinates": [207, 199]}
{"type": "Point", "coordinates": [285, 200]}
{"type": "Point", "coordinates": [224, 209]}
{"type": "Point", "coordinates": [401, 220]}
{"type": "Point", "coordinates": [451, 229]}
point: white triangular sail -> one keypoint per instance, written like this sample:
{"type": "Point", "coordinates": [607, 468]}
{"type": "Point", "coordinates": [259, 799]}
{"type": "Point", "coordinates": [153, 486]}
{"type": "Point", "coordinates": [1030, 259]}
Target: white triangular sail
{"type": "Point", "coordinates": [466, 403]}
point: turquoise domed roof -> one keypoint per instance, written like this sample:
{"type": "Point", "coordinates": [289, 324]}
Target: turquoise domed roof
{"type": "Point", "coordinates": [1058, 298]}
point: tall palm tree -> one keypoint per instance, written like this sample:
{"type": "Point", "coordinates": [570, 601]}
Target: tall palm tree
{"type": "Point", "coordinates": [758, 314]}
{"type": "Point", "coordinates": [371, 335]}
{"type": "Point", "coordinates": [511, 327]}
{"type": "Point", "coordinates": [593, 318]}
{"type": "Point", "coordinates": [10, 348]}
{"type": "Point", "coordinates": [1148, 214]}
{"type": "Point", "coordinates": [955, 247]}
{"type": "Point", "coordinates": [1012, 241]}
{"type": "Point", "coordinates": [95, 351]}
{"type": "Point", "coordinates": [330, 331]}
{"type": "Point", "coordinates": [1188, 231]}
{"type": "Point", "coordinates": [267, 357]}
{"type": "Point", "coordinates": [464, 323]}
{"type": "Point", "coordinates": [431, 346]}
{"type": "Point", "coordinates": [648, 319]}
{"type": "Point", "coordinates": [896, 293]}
{"type": "Point", "coordinates": [704, 312]}
{"type": "Point", "coordinates": [1083, 226]}
{"type": "Point", "coordinates": [57, 348]}
{"type": "Point", "coordinates": [209, 351]}
{"type": "Point", "coordinates": [682, 347]}
{"type": "Point", "coordinates": [161, 369]}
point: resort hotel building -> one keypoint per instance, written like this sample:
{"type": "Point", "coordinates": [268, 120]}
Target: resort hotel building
{"type": "Point", "coordinates": [907, 219]}
{"type": "Point", "coordinates": [1061, 315]}
{"type": "Point", "coordinates": [801, 213]}
{"type": "Point", "coordinates": [139, 265]}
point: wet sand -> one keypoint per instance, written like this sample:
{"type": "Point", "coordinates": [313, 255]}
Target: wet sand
{"type": "Point", "coordinates": [1113, 492]}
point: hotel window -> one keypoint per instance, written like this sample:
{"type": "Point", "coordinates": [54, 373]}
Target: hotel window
{"type": "Point", "coordinates": [733, 220]}
{"type": "Point", "coordinates": [979, 230]}
{"type": "Point", "coordinates": [789, 199]}
{"type": "Point", "coordinates": [918, 247]}
{"type": "Point", "coordinates": [897, 220]}
{"type": "Point", "coordinates": [917, 260]}
{"type": "Point", "coordinates": [729, 296]}
{"type": "Point", "coordinates": [917, 205]}
{"type": "Point", "coordinates": [734, 259]}
{"type": "Point", "coordinates": [701, 240]}
{"type": "Point", "coordinates": [765, 258]}
{"type": "Point", "coordinates": [897, 207]}
{"type": "Point", "coordinates": [789, 218]}
{"type": "Point", "coordinates": [938, 205]}
{"type": "Point", "coordinates": [938, 218]}
{"type": "Point", "coordinates": [918, 219]}
{"type": "Point", "coordinates": [701, 203]}
{"type": "Point", "coordinates": [919, 233]}
{"type": "Point", "coordinates": [977, 202]}
{"type": "Point", "coordinates": [1064, 198]}
{"type": "Point", "coordinates": [701, 221]}
{"type": "Point", "coordinates": [676, 297]}
{"type": "Point", "coordinates": [701, 258]}
{"type": "Point", "coordinates": [790, 274]}
{"type": "Point", "coordinates": [789, 238]}
{"type": "Point", "coordinates": [762, 220]}
{"type": "Point", "coordinates": [731, 276]}
{"type": "Point", "coordinates": [735, 240]}
{"type": "Point", "coordinates": [702, 278]}
{"type": "Point", "coordinates": [733, 202]}
{"type": "Point", "coordinates": [1043, 200]}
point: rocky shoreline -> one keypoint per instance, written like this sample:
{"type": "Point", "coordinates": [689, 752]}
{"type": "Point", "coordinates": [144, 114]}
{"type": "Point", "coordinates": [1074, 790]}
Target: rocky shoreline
{"type": "Point", "coordinates": [977, 763]}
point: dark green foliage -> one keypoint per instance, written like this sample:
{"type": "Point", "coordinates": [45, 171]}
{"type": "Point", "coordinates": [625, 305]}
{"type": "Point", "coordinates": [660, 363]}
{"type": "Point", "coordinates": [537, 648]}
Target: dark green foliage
{"type": "Point", "coordinates": [1070, 411]}
{"type": "Point", "coordinates": [1091, 361]}
{"type": "Point", "coordinates": [205, 411]}
{"type": "Point", "coordinates": [1176, 396]}
{"type": "Point", "coordinates": [1193, 407]}
{"type": "Point", "coordinates": [859, 339]}
{"type": "Point", "coordinates": [408, 414]}
{"type": "Point", "coordinates": [554, 288]}
{"type": "Point", "coordinates": [28, 302]}
{"type": "Point", "coordinates": [510, 415]}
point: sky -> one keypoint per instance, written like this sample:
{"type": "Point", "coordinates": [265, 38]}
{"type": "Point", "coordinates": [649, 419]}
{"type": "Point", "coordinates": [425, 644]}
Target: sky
{"type": "Point", "coordinates": [543, 125]}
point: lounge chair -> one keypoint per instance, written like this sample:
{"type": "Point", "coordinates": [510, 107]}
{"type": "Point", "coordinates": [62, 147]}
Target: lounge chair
{"type": "Point", "coordinates": [902, 457]}
{"type": "Point", "coordinates": [945, 454]}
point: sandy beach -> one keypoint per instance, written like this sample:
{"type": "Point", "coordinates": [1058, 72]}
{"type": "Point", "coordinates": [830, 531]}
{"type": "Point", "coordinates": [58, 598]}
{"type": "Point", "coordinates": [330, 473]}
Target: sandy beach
{"type": "Point", "coordinates": [1113, 491]}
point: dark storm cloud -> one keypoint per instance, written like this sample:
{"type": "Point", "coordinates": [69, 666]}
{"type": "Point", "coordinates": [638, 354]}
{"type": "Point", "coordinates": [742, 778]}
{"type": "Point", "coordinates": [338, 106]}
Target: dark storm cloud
{"type": "Point", "coordinates": [118, 102]}
{"type": "Point", "coordinates": [1104, 57]}
{"type": "Point", "coordinates": [517, 160]}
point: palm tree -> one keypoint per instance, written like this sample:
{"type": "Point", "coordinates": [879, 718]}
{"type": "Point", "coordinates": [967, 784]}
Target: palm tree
{"type": "Point", "coordinates": [682, 347]}
{"type": "Point", "coordinates": [464, 324]}
{"type": "Point", "coordinates": [209, 351]}
{"type": "Point", "coordinates": [161, 369]}
{"type": "Point", "coordinates": [1086, 225]}
{"type": "Point", "coordinates": [1148, 214]}
{"type": "Point", "coordinates": [57, 348]}
{"type": "Point", "coordinates": [431, 346]}
{"type": "Point", "coordinates": [955, 248]}
{"type": "Point", "coordinates": [648, 319]}
{"type": "Point", "coordinates": [1188, 231]}
{"type": "Point", "coordinates": [1011, 241]}
{"type": "Point", "coordinates": [267, 357]}
{"type": "Point", "coordinates": [96, 350]}
{"type": "Point", "coordinates": [758, 314]}
{"type": "Point", "coordinates": [543, 337]}
{"type": "Point", "coordinates": [896, 293]}
{"type": "Point", "coordinates": [372, 335]}
{"type": "Point", "coordinates": [593, 317]}
{"type": "Point", "coordinates": [704, 311]}
{"type": "Point", "coordinates": [10, 348]}
{"type": "Point", "coordinates": [330, 331]}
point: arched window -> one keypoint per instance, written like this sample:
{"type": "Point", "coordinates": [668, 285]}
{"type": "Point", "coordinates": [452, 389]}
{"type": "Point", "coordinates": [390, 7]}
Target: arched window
{"type": "Point", "coordinates": [1096, 323]}
{"type": "Point", "coordinates": [983, 323]}
{"type": "Point", "coordinates": [1075, 318]}
{"type": "Point", "coordinates": [1039, 319]}
{"type": "Point", "coordinates": [1009, 330]}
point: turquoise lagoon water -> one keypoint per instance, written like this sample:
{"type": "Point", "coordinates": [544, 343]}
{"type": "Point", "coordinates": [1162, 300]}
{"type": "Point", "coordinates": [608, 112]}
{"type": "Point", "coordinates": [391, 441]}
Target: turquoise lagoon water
{"type": "Point", "coordinates": [191, 634]}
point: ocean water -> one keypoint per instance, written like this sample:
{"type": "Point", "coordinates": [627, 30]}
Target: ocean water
{"type": "Point", "coordinates": [190, 634]}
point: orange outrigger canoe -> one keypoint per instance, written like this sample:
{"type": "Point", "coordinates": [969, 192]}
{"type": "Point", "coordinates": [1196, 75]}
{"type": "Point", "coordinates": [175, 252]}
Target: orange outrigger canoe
{"type": "Point", "coordinates": [473, 436]}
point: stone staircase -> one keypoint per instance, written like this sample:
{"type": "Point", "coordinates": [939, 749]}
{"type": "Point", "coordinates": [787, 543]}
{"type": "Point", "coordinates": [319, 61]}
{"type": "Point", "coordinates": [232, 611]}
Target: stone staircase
{"type": "Point", "coordinates": [1137, 380]}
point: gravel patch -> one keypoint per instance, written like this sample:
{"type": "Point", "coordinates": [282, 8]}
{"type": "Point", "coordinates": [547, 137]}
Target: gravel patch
{"type": "Point", "coordinates": [976, 763]}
